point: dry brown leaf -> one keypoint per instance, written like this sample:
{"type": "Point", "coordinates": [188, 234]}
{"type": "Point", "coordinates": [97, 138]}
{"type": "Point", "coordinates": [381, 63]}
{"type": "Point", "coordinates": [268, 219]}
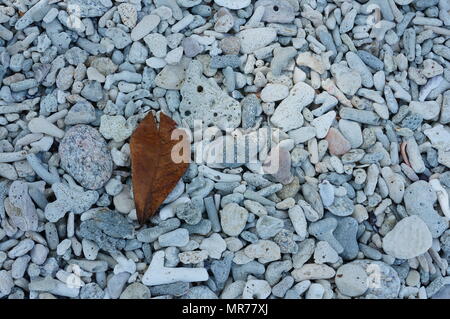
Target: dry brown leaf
{"type": "Point", "coordinates": [153, 171]}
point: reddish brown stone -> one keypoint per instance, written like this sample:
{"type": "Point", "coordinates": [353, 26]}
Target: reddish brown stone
{"type": "Point", "coordinates": [337, 144]}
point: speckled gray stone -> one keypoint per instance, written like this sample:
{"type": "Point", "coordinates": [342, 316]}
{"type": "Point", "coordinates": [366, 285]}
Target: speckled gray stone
{"type": "Point", "coordinates": [91, 291]}
{"type": "Point", "coordinates": [222, 61]}
{"type": "Point", "coordinates": [85, 156]}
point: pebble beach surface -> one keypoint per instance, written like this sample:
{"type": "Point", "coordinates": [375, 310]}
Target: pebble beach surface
{"type": "Point", "coordinates": [355, 95]}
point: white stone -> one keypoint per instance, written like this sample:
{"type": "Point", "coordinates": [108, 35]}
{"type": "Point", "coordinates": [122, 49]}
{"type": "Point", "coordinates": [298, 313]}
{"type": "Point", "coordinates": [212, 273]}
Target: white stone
{"type": "Point", "coordinates": [90, 249]}
{"type": "Point", "coordinates": [214, 245]}
{"type": "Point", "coordinates": [256, 289]}
{"type": "Point", "coordinates": [315, 291]}
{"type": "Point", "coordinates": [41, 125]}
{"type": "Point", "coordinates": [274, 92]}
{"type": "Point", "coordinates": [288, 114]}
{"type": "Point", "coordinates": [352, 280]}
{"type": "Point", "coordinates": [233, 219]}
{"type": "Point", "coordinates": [240, 258]}
{"type": "Point", "coordinates": [39, 254]}
{"type": "Point", "coordinates": [403, 2]}
{"type": "Point", "coordinates": [439, 136]}
{"type": "Point", "coordinates": [156, 63]}
{"type": "Point", "coordinates": [176, 238]}
{"type": "Point", "coordinates": [352, 132]}
{"type": "Point", "coordinates": [158, 274]}
{"type": "Point", "coordinates": [360, 213]}
{"type": "Point", "coordinates": [408, 239]}
{"type": "Point", "coordinates": [193, 257]}
{"type": "Point", "coordinates": [313, 272]}
{"type": "Point", "coordinates": [233, 4]}
{"type": "Point", "coordinates": [326, 192]}
{"type": "Point", "coordinates": [442, 196]}
{"type": "Point", "coordinates": [20, 207]}
{"type": "Point", "coordinates": [174, 56]}
{"type": "Point", "coordinates": [157, 44]}
{"type": "Point", "coordinates": [256, 38]}
{"type": "Point", "coordinates": [54, 286]}
{"type": "Point", "coordinates": [312, 61]}
{"type": "Point", "coordinates": [94, 75]}
{"type": "Point", "coordinates": [164, 12]}
{"type": "Point", "coordinates": [347, 80]}
{"type": "Point", "coordinates": [123, 202]}
{"type": "Point", "coordinates": [171, 77]}
{"type": "Point", "coordinates": [168, 211]}
{"type": "Point", "coordinates": [323, 123]}
{"type": "Point", "coordinates": [428, 109]}
{"type": "Point", "coordinates": [431, 68]}
{"type": "Point", "coordinates": [382, 110]}
{"type": "Point", "coordinates": [324, 253]}
{"type": "Point", "coordinates": [255, 208]}
{"type": "Point", "coordinates": [233, 244]}
{"type": "Point", "coordinates": [124, 265]}
{"type": "Point", "coordinates": [115, 127]}
{"type": "Point", "coordinates": [264, 250]}
{"type": "Point", "coordinates": [145, 26]}
{"type": "Point", "coordinates": [302, 134]}
{"type": "Point", "coordinates": [298, 220]}
{"type": "Point", "coordinates": [302, 287]}
{"type": "Point", "coordinates": [6, 283]}
{"type": "Point", "coordinates": [63, 247]}
{"type": "Point", "coordinates": [233, 290]}
{"type": "Point", "coordinates": [395, 184]}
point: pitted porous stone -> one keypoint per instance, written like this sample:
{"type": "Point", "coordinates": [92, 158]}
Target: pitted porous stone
{"type": "Point", "coordinates": [85, 156]}
{"type": "Point", "coordinates": [69, 200]}
{"type": "Point", "coordinates": [87, 8]}
{"type": "Point", "coordinates": [278, 11]}
{"type": "Point", "coordinates": [204, 100]}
